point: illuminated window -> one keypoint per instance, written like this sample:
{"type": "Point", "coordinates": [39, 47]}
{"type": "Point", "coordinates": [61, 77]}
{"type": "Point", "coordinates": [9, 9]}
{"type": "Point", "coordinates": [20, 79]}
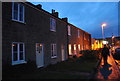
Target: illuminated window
{"type": "Point", "coordinates": [52, 24]}
{"type": "Point", "coordinates": [87, 47]}
{"type": "Point", "coordinates": [18, 53]}
{"type": "Point", "coordinates": [78, 33]}
{"type": "Point", "coordinates": [79, 47]}
{"type": "Point", "coordinates": [17, 12]}
{"type": "Point", "coordinates": [83, 47]}
{"type": "Point", "coordinates": [69, 30]}
{"type": "Point", "coordinates": [70, 49]}
{"type": "Point", "coordinates": [53, 51]}
{"type": "Point", "coordinates": [75, 52]}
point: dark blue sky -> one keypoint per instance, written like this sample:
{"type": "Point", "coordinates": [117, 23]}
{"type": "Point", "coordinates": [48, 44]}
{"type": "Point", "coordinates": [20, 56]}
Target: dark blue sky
{"type": "Point", "coordinates": [88, 16]}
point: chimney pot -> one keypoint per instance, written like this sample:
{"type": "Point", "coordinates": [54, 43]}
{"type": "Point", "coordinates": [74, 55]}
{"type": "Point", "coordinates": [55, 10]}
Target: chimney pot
{"type": "Point", "coordinates": [39, 6]}
{"type": "Point", "coordinates": [53, 11]}
{"type": "Point", "coordinates": [65, 19]}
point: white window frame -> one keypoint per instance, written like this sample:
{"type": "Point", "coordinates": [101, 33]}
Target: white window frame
{"type": "Point", "coordinates": [18, 17]}
{"type": "Point", "coordinates": [52, 24]}
{"type": "Point", "coordinates": [54, 51]}
{"type": "Point", "coordinates": [18, 54]}
{"type": "Point", "coordinates": [69, 30]}
{"type": "Point", "coordinates": [78, 33]}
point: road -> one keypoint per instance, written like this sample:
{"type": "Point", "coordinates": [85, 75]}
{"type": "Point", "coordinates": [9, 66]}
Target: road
{"type": "Point", "coordinates": [108, 72]}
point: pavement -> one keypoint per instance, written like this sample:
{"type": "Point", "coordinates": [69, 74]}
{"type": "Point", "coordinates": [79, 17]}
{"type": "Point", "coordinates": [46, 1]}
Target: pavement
{"type": "Point", "coordinates": [109, 71]}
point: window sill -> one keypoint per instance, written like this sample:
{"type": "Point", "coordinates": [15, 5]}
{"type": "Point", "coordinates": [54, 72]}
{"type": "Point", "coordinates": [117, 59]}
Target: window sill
{"type": "Point", "coordinates": [54, 57]}
{"type": "Point", "coordinates": [18, 21]}
{"type": "Point", "coordinates": [52, 30]}
{"type": "Point", "coordinates": [18, 62]}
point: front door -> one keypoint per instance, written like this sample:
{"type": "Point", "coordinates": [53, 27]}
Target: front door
{"type": "Point", "coordinates": [63, 53]}
{"type": "Point", "coordinates": [39, 55]}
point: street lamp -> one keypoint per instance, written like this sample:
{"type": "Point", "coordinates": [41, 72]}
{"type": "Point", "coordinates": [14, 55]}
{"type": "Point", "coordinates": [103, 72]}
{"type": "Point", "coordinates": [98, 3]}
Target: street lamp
{"type": "Point", "coordinates": [103, 25]}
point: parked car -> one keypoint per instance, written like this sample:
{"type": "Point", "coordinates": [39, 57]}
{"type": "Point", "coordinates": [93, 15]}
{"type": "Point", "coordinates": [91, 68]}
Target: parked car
{"type": "Point", "coordinates": [116, 53]}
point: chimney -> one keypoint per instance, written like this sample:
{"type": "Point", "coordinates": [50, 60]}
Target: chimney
{"type": "Point", "coordinates": [65, 19]}
{"type": "Point", "coordinates": [54, 13]}
{"type": "Point", "coordinates": [39, 6]}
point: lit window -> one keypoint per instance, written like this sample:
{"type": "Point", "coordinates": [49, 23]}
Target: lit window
{"type": "Point", "coordinates": [75, 52]}
{"type": "Point", "coordinates": [70, 49]}
{"type": "Point", "coordinates": [17, 12]}
{"type": "Point", "coordinates": [18, 53]}
{"type": "Point", "coordinates": [53, 51]}
{"type": "Point", "coordinates": [69, 30]}
{"type": "Point", "coordinates": [52, 24]}
{"type": "Point", "coordinates": [78, 33]}
{"type": "Point", "coordinates": [79, 47]}
{"type": "Point", "coordinates": [87, 47]}
{"type": "Point", "coordinates": [83, 47]}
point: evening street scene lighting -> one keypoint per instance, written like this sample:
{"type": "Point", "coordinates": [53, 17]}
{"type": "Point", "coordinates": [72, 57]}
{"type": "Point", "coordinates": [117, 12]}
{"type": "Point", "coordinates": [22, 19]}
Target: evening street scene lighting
{"type": "Point", "coordinates": [60, 40]}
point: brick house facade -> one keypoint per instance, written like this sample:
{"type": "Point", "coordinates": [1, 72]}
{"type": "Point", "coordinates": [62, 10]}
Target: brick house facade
{"type": "Point", "coordinates": [20, 37]}
{"type": "Point", "coordinates": [78, 40]}
{"type": "Point", "coordinates": [31, 34]}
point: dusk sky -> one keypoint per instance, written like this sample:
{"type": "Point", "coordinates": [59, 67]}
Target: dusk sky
{"type": "Point", "coordinates": [88, 16]}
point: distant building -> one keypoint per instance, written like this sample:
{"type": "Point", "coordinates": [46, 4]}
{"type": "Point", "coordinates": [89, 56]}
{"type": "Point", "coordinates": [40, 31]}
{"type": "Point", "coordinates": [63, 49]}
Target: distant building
{"type": "Point", "coordinates": [96, 43]}
{"type": "Point", "coordinates": [112, 42]}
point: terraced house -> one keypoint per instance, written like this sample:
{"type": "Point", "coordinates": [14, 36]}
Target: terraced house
{"type": "Point", "coordinates": [31, 34]}
{"type": "Point", "coordinates": [78, 40]}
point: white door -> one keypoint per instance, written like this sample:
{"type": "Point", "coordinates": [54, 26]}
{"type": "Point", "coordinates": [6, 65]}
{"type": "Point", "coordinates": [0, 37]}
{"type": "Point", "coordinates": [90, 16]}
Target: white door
{"type": "Point", "coordinates": [63, 53]}
{"type": "Point", "coordinates": [39, 55]}
{"type": "Point", "coordinates": [70, 49]}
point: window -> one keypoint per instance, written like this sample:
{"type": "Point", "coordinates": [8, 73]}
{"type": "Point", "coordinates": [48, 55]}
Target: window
{"type": "Point", "coordinates": [70, 49]}
{"type": "Point", "coordinates": [52, 24]}
{"type": "Point", "coordinates": [83, 47]}
{"type": "Point", "coordinates": [69, 30]}
{"type": "Point", "coordinates": [88, 38]}
{"type": "Point", "coordinates": [17, 12]}
{"type": "Point", "coordinates": [75, 52]}
{"type": "Point", "coordinates": [84, 36]}
{"type": "Point", "coordinates": [78, 33]}
{"type": "Point", "coordinates": [87, 47]}
{"type": "Point", "coordinates": [79, 47]}
{"type": "Point", "coordinates": [53, 51]}
{"type": "Point", "coordinates": [18, 53]}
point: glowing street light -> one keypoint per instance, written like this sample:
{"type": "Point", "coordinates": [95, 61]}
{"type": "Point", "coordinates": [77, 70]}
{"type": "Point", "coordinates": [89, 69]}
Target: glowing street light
{"type": "Point", "coordinates": [105, 42]}
{"type": "Point", "coordinates": [103, 25]}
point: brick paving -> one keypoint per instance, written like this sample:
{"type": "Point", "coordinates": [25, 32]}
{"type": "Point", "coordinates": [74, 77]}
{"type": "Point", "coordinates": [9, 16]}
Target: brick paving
{"type": "Point", "coordinates": [108, 72]}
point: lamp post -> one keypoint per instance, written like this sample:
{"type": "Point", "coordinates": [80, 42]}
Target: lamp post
{"type": "Point", "coordinates": [103, 25]}
{"type": "Point", "coordinates": [113, 40]}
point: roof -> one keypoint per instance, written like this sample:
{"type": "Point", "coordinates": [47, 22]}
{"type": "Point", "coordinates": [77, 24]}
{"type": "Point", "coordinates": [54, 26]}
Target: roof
{"type": "Point", "coordinates": [42, 10]}
{"type": "Point", "coordinates": [78, 28]}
